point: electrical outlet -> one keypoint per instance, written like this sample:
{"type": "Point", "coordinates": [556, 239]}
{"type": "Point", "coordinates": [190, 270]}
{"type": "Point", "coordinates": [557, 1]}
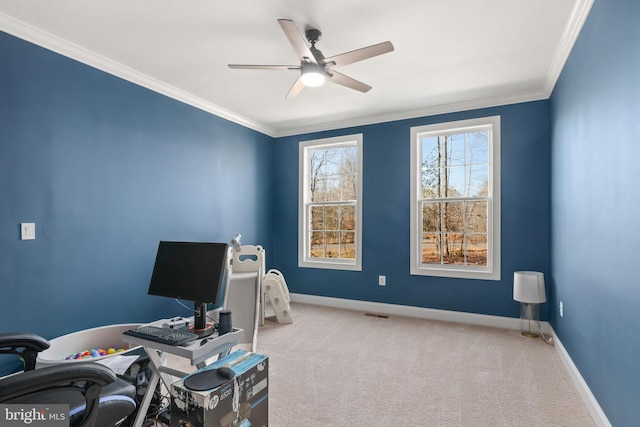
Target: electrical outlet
{"type": "Point", "coordinates": [382, 280]}
{"type": "Point", "coordinates": [561, 309]}
{"type": "Point", "coordinates": [28, 230]}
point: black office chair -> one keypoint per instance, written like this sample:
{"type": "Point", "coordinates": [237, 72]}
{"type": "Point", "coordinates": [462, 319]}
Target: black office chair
{"type": "Point", "coordinates": [95, 395]}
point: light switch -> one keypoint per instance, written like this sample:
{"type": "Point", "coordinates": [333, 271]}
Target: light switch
{"type": "Point", "coordinates": [28, 231]}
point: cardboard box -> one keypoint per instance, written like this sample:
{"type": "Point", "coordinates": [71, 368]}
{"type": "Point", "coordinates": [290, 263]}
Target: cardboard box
{"type": "Point", "coordinates": [240, 402]}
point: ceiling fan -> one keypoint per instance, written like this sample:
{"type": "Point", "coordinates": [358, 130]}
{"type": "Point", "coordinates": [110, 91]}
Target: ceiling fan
{"type": "Point", "coordinates": [314, 67]}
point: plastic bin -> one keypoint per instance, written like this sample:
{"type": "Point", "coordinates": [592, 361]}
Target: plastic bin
{"type": "Point", "coordinates": [101, 337]}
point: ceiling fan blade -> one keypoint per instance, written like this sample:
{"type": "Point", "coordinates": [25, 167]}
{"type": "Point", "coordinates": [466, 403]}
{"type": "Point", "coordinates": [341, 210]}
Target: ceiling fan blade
{"type": "Point", "coordinates": [295, 89]}
{"type": "Point", "coordinates": [359, 54]}
{"type": "Point", "coordinates": [296, 39]}
{"type": "Point", "coordinates": [264, 67]}
{"type": "Point", "coordinates": [343, 80]}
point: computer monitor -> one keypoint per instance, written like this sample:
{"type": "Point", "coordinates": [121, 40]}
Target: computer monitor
{"type": "Point", "coordinates": [192, 271]}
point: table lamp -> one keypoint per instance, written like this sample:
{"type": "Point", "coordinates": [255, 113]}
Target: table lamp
{"type": "Point", "coordinates": [528, 289]}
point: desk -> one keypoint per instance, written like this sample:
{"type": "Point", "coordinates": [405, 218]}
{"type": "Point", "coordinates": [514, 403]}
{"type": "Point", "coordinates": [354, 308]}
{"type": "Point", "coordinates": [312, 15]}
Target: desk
{"type": "Point", "coordinates": [194, 351]}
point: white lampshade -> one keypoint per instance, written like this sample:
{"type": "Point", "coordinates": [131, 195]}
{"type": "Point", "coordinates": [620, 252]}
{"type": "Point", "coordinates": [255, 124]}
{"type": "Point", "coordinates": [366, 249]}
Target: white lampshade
{"type": "Point", "coordinates": [528, 287]}
{"type": "Point", "coordinates": [313, 75]}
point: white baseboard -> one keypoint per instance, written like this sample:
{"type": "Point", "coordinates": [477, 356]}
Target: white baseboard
{"type": "Point", "coordinates": [406, 310]}
{"type": "Point", "coordinates": [588, 398]}
{"type": "Point", "coordinates": [599, 418]}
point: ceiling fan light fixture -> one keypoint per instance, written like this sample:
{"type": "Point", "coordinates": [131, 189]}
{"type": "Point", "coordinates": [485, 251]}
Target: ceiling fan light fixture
{"type": "Point", "coordinates": [313, 75]}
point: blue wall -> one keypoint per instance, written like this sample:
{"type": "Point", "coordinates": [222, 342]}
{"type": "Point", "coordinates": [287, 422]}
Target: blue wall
{"type": "Point", "coordinates": [106, 169]}
{"type": "Point", "coordinates": [595, 205]}
{"type": "Point", "coordinates": [386, 157]}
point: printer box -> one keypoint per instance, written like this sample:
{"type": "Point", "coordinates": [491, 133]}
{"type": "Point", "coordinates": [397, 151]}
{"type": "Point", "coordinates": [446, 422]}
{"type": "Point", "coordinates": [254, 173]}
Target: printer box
{"type": "Point", "coordinates": [240, 402]}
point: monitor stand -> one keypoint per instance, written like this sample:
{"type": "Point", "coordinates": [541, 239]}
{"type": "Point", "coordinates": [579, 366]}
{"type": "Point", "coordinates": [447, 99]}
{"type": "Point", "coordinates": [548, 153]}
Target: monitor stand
{"type": "Point", "coordinates": [200, 325]}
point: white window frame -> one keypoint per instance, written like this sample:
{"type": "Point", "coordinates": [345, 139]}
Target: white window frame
{"type": "Point", "coordinates": [304, 260]}
{"type": "Point", "coordinates": [492, 270]}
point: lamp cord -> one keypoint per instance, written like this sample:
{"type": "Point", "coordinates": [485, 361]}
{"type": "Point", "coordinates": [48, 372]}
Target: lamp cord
{"type": "Point", "coordinates": [548, 340]}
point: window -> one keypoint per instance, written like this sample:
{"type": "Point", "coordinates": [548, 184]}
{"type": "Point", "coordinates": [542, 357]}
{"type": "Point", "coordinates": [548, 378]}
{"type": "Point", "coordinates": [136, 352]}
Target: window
{"type": "Point", "coordinates": [455, 202]}
{"type": "Point", "coordinates": [330, 215]}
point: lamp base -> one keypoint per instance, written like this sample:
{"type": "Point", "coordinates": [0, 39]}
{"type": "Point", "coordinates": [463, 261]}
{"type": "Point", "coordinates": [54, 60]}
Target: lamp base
{"type": "Point", "coordinates": [529, 319]}
{"type": "Point", "coordinates": [530, 334]}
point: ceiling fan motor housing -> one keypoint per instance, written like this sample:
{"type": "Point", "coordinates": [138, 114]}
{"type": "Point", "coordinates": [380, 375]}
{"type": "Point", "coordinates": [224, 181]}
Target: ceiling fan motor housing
{"type": "Point", "coordinates": [312, 34]}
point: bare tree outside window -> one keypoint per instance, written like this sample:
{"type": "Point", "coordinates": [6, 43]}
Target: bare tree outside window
{"type": "Point", "coordinates": [455, 178]}
{"type": "Point", "coordinates": [333, 197]}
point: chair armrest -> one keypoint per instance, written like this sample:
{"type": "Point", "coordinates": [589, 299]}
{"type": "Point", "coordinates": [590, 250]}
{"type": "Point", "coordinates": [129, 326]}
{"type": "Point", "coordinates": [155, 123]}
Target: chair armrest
{"type": "Point", "coordinates": [24, 340]}
{"type": "Point", "coordinates": [61, 375]}
{"type": "Point", "coordinates": [25, 345]}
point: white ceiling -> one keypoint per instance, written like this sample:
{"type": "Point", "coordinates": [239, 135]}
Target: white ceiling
{"type": "Point", "coordinates": [449, 54]}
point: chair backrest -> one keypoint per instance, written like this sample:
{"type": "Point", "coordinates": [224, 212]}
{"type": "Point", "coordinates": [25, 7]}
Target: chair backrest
{"type": "Point", "coordinates": [83, 386]}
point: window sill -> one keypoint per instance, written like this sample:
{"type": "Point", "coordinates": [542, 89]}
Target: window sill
{"type": "Point", "coordinates": [456, 273]}
{"type": "Point", "coordinates": [331, 265]}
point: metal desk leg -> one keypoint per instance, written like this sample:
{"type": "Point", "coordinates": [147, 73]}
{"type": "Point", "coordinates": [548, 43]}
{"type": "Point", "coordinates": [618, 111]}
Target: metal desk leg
{"type": "Point", "coordinates": [141, 416]}
{"type": "Point", "coordinates": [159, 371]}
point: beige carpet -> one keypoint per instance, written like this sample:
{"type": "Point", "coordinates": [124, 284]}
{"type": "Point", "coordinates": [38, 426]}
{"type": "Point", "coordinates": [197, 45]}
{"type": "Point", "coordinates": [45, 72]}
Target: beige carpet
{"type": "Point", "coordinates": [335, 367]}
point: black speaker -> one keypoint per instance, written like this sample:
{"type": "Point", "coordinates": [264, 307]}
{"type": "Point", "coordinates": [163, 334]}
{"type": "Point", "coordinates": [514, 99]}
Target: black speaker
{"type": "Point", "coordinates": [224, 322]}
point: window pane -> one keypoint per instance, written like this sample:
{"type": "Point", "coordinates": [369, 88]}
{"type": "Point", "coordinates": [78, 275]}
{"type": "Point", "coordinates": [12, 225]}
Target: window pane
{"type": "Point", "coordinates": [477, 181]}
{"type": "Point", "coordinates": [453, 248]}
{"type": "Point", "coordinates": [453, 183]}
{"type": "Point", "coordinates": [317, 218]}
{"type": "Point", "coordinates": [333, 188]}
{"type": "Point", "coordinates": [477, 249]}
{"type": "Point", "coordinates": [317, 244]}
{"type": "Point", "coordinates": [318, 185]}
{"type": "Point", "coordinates": [430, 166]}
{"type": "Point", "coordinates": [478, 147]}
{"type": "Point", "coordinates": [331, 217]}
{"type": "Point", "coordinates": [332, 159]}
{"type": "Point", "coordinates": [477, 216]}
{"type": "Point", "coordinates": [453, 216]}
{"type": "Point", "coordinates": [332, 249]}
{"type": "Point", "coordinates": [349, 161]}
{"type": "Point", "coordinates": [347, 217]}
{"type": "Point", "coordinates": [431, 220]}
{"type": "Point", "coordinates": [430, 152]}
{"type": "Point", "coordinates": [455, 149]}
{"type": "Point", "coordinates": [349, 187]}
{"type": "Point", "coordinates": [431, 248]}
{"type": "Point", "coordinates": [348, 246]}
{"type": "Point", "coordinates": [430, 183]}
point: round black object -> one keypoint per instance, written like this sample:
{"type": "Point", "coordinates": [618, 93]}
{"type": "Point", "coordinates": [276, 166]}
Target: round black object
{"type": "Point", "coordinates": [211, 378]}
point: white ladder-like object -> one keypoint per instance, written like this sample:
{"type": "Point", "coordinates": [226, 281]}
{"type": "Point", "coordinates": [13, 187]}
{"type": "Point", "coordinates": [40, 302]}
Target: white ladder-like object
{"type": "Point", "coordinates": [275, 287]}
{"type": "Point", "coordinates": [250, 259]}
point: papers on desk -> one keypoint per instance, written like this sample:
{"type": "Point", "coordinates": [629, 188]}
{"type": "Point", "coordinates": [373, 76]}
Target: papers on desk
{"type": "Point", "coordinates": [119, 363]}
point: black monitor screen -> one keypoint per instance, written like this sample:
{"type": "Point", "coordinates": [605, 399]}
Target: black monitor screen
{"type": "Point", "coordinates": [190, 271]}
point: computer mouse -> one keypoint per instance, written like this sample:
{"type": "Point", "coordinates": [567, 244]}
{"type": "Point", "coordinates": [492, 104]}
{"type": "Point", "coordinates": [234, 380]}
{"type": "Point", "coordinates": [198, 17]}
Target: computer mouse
{"type": "Point", "coordinates": [226, 372]}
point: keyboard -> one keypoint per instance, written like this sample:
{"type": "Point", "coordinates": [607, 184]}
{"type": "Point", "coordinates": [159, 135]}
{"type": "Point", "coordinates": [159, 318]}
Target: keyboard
{"type": "Point", "coordinates": [162, 335]}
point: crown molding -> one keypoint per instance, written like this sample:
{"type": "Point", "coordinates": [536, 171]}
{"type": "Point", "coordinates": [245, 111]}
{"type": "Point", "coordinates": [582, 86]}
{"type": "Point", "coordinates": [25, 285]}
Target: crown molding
{"type": "Point", "coordinates": [56, 44]}
{"type": "Point", "coordinates": [516, 98]}
{"type": "Point", "coordinates": [569, 36]}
